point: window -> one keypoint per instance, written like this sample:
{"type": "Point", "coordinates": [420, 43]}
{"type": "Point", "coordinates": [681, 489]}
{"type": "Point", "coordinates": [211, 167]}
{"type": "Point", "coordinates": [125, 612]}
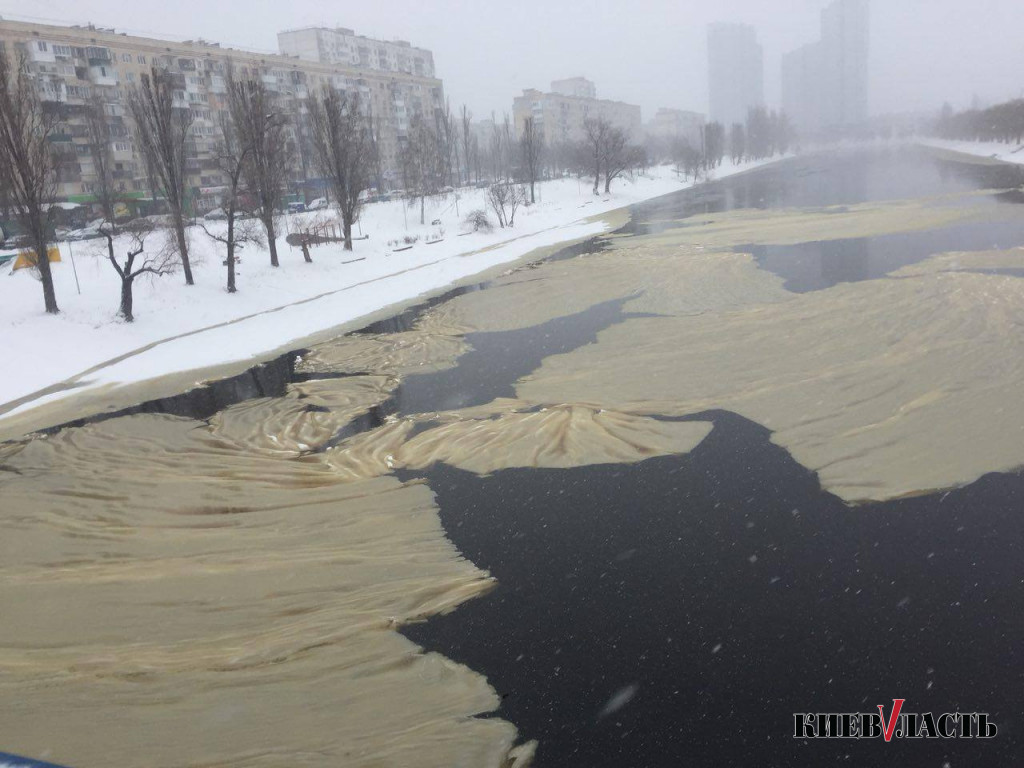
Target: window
{"type": "Point", "coordinates": [126, 57]}
{"type": "Point", "coordinates": [62, 50]}
{"type": "Point", "coordinates": [41, 45]}
{"type": "Point", "coordinates": [142, 59]}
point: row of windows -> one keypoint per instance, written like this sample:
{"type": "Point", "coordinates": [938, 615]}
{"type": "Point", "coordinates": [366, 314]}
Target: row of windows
{"type": "Point", "coordinates": [92, 52]}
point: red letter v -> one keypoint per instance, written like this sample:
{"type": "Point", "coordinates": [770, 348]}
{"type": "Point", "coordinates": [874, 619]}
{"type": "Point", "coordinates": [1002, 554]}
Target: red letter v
{"type": "Point", "coordinates": [890, 727]}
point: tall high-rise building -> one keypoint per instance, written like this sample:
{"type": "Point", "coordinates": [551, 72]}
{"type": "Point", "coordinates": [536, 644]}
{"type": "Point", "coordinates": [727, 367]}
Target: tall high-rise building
{"type": "Point", "coordinates": [735, 72]}
{"type": "Point", "coordinates": [802, 82]}
{"type": "Point", "coordinates": [844, 38]}
{"type": "Point", "coordinates": [825, 84]}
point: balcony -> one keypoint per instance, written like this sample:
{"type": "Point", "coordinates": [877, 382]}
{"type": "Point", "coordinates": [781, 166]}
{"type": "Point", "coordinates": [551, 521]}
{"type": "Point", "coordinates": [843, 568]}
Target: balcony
{"type": "Point", "coordinates": [39, 51]}
{"type": "Point", "coordinates": [103, 75]}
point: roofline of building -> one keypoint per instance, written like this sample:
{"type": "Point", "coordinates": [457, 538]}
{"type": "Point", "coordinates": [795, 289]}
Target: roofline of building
{"type": "Point", "coordinates": [577, 98]}
{"type": "Point", "coordinates": [200, 48]}
{"type": "Point", "coordinates": [352, 33]}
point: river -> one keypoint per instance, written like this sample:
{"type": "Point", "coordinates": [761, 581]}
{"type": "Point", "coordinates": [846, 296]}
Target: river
{"type": "Point", "coordinates": [635, 503]}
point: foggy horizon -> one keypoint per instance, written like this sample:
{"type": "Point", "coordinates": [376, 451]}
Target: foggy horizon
{"type": "Point", "coordinates": [920, 57]}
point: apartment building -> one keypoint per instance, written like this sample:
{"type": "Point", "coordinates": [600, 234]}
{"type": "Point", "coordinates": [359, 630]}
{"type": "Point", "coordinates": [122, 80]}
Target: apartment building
{"type": "Point", "coordinates": [676, 123]}
{"type": "Point", "coordinates": [345, 48]}
{"type": "Point", "coordinates": [575, 86]}
{"type": "Point", "coordinates": [78, 67]}
{"type": "Point", "coordinates": [560, 116]}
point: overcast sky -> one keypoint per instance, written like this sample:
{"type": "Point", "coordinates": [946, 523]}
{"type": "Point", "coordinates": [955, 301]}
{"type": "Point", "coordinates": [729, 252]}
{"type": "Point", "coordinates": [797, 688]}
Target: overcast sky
{"type": "Point", "coordinates": [650, 52]}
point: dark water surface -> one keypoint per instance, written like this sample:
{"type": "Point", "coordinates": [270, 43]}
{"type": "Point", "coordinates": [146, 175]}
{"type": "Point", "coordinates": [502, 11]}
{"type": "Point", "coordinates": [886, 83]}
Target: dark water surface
{"type": "Point", "coordinates": [725, 591]}
{"type": "Point", "coordinates": [862, 176]}
{"type": "Point", "coordinates": [678, 611]}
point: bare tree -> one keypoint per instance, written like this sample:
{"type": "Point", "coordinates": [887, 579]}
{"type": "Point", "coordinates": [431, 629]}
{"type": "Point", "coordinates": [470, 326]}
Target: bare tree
{"type": "Point", "coordinates": [232, 155]}
{"type": "Point", "coordinates": [596, 131]}
{"type": "Point", "coordinates": [262, 131]}
{"type": "Point", "coordinates": [467, 139]}
{"type": "Point", "coordinates": [714, 144]}
{"type": "Point", "coordinates": [162, 129]}
{"type": "Point", "coordinates": [163, 262]}
{"type": "Point", "coordinates": [619, 156]}
{"type": "Point", "coordinates": [421, 163]}
{"type": "Point", "coordinates": [449, 135]}
{"type": "Point", "coordinates": [29, 166]}
{"type": "Point", "coordinates": [497, 154]}
{"type": "Point", "coordinates": [475, 143]}
{"type": "Point", "coordinates": [100, 138]}
{"type": "Point", "coordinates": [532, 146]}
{"type": "Point", "coordinates": [738, 143]}
{"type": "Point", "coordinates": [505, 199]}
{"type": "Point", "coordinates": [376, 164]}
{"type": "Point", "coordinates": [341, 141]}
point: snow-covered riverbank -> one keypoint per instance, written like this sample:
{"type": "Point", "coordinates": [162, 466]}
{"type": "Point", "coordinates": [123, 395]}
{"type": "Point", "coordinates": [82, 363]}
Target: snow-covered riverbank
{"type": "Point", "coordinates": [1007, 153]}
{"type": "Point", "coordinates": [181, 328]}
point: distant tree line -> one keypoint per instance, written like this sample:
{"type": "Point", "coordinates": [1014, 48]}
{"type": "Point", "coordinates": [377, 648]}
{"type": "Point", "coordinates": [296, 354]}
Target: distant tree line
{"type": "Point", "coordinates": [765, 133]}
{"type": "Point", "coordinates": [1002, 123]}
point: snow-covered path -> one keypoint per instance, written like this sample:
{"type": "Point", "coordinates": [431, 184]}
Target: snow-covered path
{"type": "Point", "coordinates": [179, 328]}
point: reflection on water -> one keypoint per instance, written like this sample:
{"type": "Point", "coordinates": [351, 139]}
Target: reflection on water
{"type": "Point", "coordinates": [220, 578]}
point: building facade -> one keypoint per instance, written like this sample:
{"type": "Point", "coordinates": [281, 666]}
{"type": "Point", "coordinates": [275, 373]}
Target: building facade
{"type": "Point", "coordinates": [825, 84]}
{"type": "Point", "coordinates": [81, 68]}
{"type": "Point", "coordinates": [560, 116]}
{"type": "Point", "coordinates": [802, 83]}
{"type": "Point", "coordinates": [676, 123]}
{"type": "Point", "coordinates": [735, 72]}
{"type": "Point", "coordinates": [575, 86]}
{"type": "Point", "coordinates": [345, 48]}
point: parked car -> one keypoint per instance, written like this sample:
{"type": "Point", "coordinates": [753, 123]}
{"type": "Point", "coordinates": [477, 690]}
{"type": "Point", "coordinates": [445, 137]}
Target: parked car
{"type": "Point", "coordinates": [296, 207]}
{"type": "Point", "coordinates": [89, 232]}
{"type": "Point", "coordinates": [17, 241]}
{"type": "Point", "coordinates": [217, 214]}
{"type": "Point", "coordinates": [319, 204]}
{"type": "Point", "coordinates": [160, 219]}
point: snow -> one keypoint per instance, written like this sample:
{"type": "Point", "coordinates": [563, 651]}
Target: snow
{"type": "Point", "coordinates": [180, 328]}
{"type": "Point", "coordinates": [1008, 153]}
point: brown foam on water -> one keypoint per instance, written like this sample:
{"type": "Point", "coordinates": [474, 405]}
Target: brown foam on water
{"type": "Point", "coordinates": [416, 351]}
{"type": "Point", "coordinates": [170, 600]}
{"type": "Point", "coordinates": [774, 226]}
{"type": "Point", "coordinates": [499, 436]}
{"type": "Point", "coordinates": [179, 593]}
{"type": "Point", "coordinates": [308, 416]}
{"type": "Point", "coordinates": [884, 387]}
{"type": "Point", "coordinates": [679, 280]}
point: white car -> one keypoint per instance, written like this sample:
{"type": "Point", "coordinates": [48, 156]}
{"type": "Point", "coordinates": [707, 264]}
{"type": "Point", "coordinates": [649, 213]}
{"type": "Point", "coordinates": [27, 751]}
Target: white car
{"type": "Point", "coordinates": [317, 205]}
{"type": "Point", "coordinates": [217, 214]}
{"type": "Point", "coordinates": [88, 232]}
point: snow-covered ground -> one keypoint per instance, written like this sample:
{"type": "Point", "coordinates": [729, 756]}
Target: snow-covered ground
{"type": "Point", "coordinates": [1009, 153]}
{"type": "Point", "coordinates": [180, 328]}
